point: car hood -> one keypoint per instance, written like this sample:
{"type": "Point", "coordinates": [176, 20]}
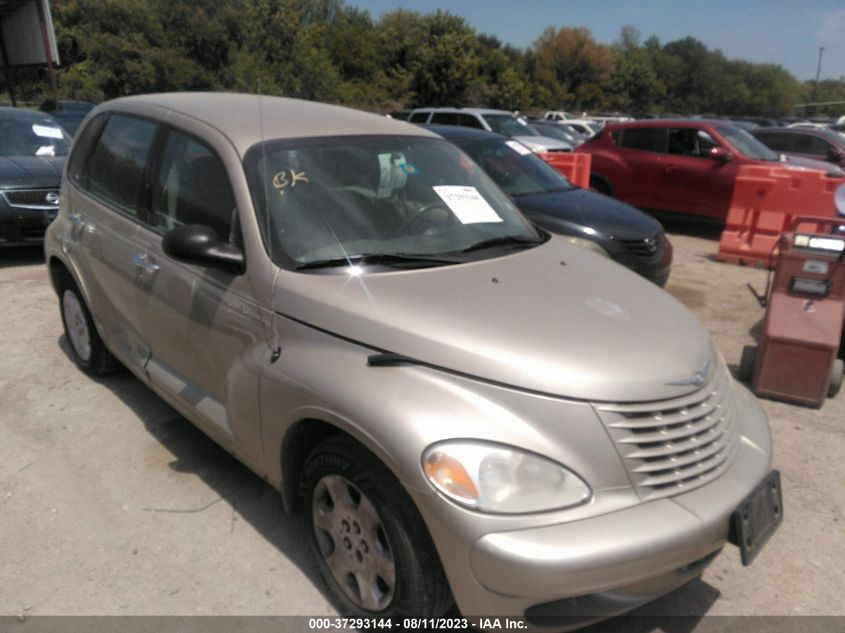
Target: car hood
{"type": "Point", "coordinates": [587, 208]}
{"type": "Point", "coordinates": [544, 144]}
{"type": "Point", "coordinates": [800, 162]}
{"type": "Point", "coordinates": [17, 172]}
{"type": "Point", "coordinates": [555, 319]}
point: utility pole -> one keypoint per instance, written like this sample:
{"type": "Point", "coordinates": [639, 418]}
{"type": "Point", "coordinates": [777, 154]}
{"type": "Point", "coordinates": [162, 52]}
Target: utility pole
{"type": "Point", "coordinates": [818, 72]}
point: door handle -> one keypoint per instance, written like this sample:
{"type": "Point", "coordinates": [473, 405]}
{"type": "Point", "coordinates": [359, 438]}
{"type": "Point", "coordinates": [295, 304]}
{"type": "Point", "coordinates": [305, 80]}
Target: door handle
{"type": "Point", "coordinates": [142, 261]}
{"type": "Point", "coordinates": [76, 220]}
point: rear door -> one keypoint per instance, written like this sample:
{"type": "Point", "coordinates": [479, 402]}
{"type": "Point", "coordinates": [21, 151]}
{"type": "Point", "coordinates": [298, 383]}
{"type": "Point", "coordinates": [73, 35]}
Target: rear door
{"type": "Point", "coordinates": [635, 177]}
{"type": "Point", "coordinates": [105, 207]}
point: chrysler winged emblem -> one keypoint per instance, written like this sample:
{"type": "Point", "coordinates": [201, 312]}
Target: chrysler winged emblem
{"type": "Point", "coordinates": [697, 379]}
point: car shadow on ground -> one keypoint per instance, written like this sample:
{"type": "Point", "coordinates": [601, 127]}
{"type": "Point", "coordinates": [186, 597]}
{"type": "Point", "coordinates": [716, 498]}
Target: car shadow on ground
{"type": "Point", "coordinates": [252, 499]}
{"type": "Point", "coordinates": [678, 612]}
{"type": "Point", "coordinates": [21, 256]}
{"type": "Point", "coordinates": [691, 227]}
{"type": "Point", "coordinates": [256, 502]}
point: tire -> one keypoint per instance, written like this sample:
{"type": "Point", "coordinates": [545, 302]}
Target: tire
{"type": "Point", "coordinates": [367, 537]}
{"type": "Point", "coordinates": [600, 186]}
{"type": "Point", "coordinates": [836, 377]}
{"type": "Point", "coordinates": [86, 347]}
{"type": "Point", "coordinates": [746, 363]}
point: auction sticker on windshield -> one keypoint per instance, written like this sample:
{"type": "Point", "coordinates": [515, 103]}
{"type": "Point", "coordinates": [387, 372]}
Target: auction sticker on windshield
{"type": "Point", "coordinates": [467, 204]}
{"type": "Point", "coordinates": [519, 148]}
{"type": "Point", "coordinates": [46, 131]}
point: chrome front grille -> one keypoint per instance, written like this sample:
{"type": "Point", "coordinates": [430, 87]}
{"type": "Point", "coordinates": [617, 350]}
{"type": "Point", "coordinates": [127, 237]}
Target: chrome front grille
{"type": "Point", "coordinates": [647, 248]}
{"type": "Point", "coordinates": [674, 446]}
{"type": "Point", "coordinates": [32, 198]}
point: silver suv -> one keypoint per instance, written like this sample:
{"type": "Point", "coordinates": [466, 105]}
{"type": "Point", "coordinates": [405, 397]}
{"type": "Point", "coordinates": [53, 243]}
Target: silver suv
{"type": "Point", "coordinates": [498, 121]}
{"type": "Point", "coordinates": [462, 407]}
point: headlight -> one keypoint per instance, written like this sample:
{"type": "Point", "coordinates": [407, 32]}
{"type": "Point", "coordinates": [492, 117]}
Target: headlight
{"type": "Point", "coordinates": [590, 245]}
{"type": "Point", "coordinates": [501, 479]}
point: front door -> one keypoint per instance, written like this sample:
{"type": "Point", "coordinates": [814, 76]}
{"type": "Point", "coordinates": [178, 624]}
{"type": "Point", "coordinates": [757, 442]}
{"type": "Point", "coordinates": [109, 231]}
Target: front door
{"type": "Point", "coordinates": [691, 181]}
{"type": "Point", "coordinates": [202, 324]}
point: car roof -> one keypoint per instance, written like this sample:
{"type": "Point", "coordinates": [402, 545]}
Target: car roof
{"type": "Point", "coordinates": [456, 132]}
{"type": "Point", "coordinates": [247, 119]}
{"type": "Point", "coordinates": [465, 110]}
{"type": "Point", "coordinates": [661, 123]}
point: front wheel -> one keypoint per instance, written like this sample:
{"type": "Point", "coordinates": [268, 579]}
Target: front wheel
{"type": "Point", "coordinates": [367, 537]}
{"type": "Point", "coordinates": [600, 186]}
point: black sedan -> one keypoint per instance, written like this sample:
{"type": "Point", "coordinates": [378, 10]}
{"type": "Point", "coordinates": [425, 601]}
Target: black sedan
{"type": "Point", "coordinates": [33, 147]}
{"type": "Point", "coordinates": [550, 201]}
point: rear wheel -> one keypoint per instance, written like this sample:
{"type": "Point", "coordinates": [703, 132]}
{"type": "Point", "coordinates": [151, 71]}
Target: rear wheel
{"type": "Point", "coordinates": [836, 377]}
{"type": "Point", "coordinates": [86, 347]}
{"type": "Point", "coordinates": [367, 537]}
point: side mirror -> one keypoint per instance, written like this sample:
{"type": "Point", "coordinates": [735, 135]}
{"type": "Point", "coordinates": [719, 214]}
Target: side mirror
{"type": "Point", "coordinates": [721, 154]}
{"type": "Point", "coordinates": [200, 245]}
{"type": "Point", "coordinates": [839, 201]}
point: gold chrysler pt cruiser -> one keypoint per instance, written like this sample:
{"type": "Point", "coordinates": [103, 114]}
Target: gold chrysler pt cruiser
{"type": "Point", "coordinates": [463, 408]}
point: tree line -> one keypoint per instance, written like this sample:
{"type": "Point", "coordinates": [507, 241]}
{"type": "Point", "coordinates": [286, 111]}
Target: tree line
{"type": "Point", "coordinates": [329, 51]}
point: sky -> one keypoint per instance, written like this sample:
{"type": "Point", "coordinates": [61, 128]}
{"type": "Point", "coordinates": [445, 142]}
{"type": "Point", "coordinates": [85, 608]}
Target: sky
{"type": "Point", "coordinates": [784, 32]}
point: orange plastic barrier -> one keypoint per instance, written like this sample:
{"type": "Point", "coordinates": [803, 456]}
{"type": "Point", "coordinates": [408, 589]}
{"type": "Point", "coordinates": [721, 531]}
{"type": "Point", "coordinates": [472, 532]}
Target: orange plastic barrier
{"type": "Point", "coordinates": [765, 201]}
{"type": "Point", "coordinates": [576, 167]}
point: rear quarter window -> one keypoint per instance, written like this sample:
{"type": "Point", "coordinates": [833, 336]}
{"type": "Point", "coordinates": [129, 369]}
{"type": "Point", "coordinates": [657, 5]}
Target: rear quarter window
{"type": "Point", "coordinates": [418, 117]}
{"type": "Point", "coordinates": [642, 138]}
{"type": "Point", "coordinates": [445, 118]}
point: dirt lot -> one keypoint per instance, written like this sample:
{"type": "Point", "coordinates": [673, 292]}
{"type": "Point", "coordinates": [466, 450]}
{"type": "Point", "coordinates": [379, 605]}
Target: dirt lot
{"type": "Point", "coordinates": [112, 504]}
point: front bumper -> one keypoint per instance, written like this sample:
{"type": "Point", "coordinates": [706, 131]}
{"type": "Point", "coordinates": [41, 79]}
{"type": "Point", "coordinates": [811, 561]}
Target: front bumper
{"type": "Point", "coordinates": [573, 573]}
{"type": "Point", "coordinates": [21, 226]}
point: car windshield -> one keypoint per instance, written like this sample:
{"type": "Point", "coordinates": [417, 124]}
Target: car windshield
{"type": "Point", "coordinates": [745, 144]}
{"type": "Point", "coordinates": [553, 131]}
{"type": "Point", "coordinates": [508, 125]}
{"type": "Point", "coordinates": [32, 137]}
{"type": "Point", "coordinates": [573, 131]}
{"type": "Point", "coordinates": [379, 197]}
{"type": "Point", "coordinates": [515, 168]}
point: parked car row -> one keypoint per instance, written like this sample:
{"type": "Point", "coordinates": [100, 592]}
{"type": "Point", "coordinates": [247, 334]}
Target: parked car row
{"type": "Point", "coordinates": [685, 166]}
{"type": "Point", "coordinates": [463, 408]}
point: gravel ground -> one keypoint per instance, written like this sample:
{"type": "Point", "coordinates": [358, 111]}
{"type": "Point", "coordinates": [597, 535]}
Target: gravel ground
{"type": "Point", "coordinates": [112, 504]}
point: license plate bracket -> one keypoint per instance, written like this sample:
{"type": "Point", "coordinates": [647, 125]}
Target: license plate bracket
{"type": "Point", "coordinates": [757, 517]}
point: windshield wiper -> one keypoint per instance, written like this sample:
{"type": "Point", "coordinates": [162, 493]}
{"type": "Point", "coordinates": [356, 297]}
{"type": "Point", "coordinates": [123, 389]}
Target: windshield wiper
{"type": "Point", "coordinates": [386, 259]}
{"type": "Point", "coordinates": [507, 240]}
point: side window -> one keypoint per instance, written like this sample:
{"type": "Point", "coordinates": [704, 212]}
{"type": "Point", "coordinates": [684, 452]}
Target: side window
{"type": "Point", "coordinates": [809, 144]}
{"type": "Point", "coordinates": [643, 138]}
{"type": "Point", "coordinates": [467, 120]}
{"type": "Point", "coordinates": [81, 150]}
{"type": "Point", "coordinates": [191, 187]}
{"type": "Point", "coordinates": [419, 117]}
{"type": "Point", "coordinates": [116, 169]}
{"type": "Point", "coordinates": [778, 142]}
{"type": "Point", "coordinates": [445, 118]}
{"type": "Point", "coordinates": [690, 142]}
